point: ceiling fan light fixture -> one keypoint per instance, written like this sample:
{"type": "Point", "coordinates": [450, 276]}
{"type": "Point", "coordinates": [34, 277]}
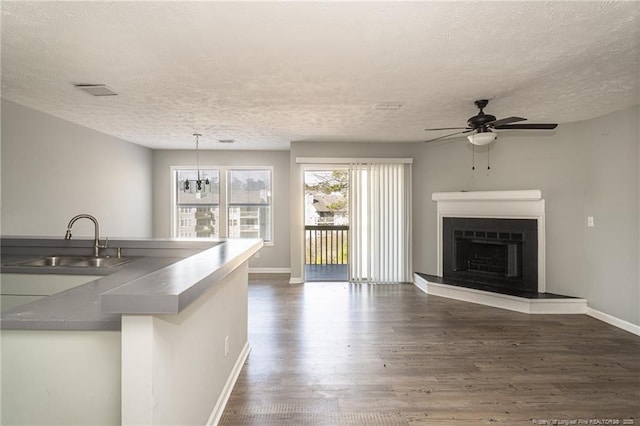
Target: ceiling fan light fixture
{"type": "Point", "coordinates": [482, 138]}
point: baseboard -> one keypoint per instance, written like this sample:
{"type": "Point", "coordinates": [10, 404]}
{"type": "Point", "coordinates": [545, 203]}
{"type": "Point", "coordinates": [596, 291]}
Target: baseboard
{"type": "Point", "coordinates": [296, 281]}
{"type": "Point", "coordinates": [269, 270]}
{"type": "Point", "coordinates": [616, 322]}
{"type": "Point", "coordinates": [216, 414]}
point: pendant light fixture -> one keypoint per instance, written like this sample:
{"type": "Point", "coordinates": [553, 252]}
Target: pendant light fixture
{"type": "Point", "coordinates": [199, 186]}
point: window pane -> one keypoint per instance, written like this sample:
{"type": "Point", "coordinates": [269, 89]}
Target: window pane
{"type": "Point", "coordinates": [198, 222]}
{"type": "Point", "coordinates": [250, 222]}
{"type": "Point", "coordinates": [249, 187]}
{"type": "Point", "coordinates": [326, 197]}
{"type": "Point", "coordinates": [210, 194]}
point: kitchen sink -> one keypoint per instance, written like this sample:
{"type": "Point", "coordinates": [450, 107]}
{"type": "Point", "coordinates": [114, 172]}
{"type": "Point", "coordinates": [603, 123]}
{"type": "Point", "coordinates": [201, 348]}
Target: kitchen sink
{"type": "Point", "coordinates": [101, 262]}
{"type": "Point", "coordinates": [51, 261]}
{"type": "Point", "coordinates": [75, 261]}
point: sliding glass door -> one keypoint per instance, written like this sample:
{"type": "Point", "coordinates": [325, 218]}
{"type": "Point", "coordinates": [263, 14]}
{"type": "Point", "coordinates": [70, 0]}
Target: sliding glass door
{"type": "Point", "coordinates": [358, 221]}
{"type": "Point", "coordinates": [326, 207]}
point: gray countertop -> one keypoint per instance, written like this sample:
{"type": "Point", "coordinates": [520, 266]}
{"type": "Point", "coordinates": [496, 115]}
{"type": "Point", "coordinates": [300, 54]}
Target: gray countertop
{"type": "Point", "coordinates": [164, 277]}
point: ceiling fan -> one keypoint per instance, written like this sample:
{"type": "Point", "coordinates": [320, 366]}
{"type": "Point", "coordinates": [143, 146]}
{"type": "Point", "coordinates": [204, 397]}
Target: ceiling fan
{"type": "Point", "coordinates": [482, 126]}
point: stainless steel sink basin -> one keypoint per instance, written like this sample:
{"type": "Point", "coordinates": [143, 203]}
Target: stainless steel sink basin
{"type": "Point", "coordinates": [101, 262]}
{"type": "Point", "coordinates": [51, 261]}
{"type": "Point", "coordinates": [75, 261]}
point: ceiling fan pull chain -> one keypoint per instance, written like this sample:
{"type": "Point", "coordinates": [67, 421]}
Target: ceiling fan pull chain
{"type": "Point", "coordinates": [473, 157]}
{"type": "Point", "coordinates": [489, 157]}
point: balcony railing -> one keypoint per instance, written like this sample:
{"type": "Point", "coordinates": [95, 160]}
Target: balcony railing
{"type": "Point", "coordinates": [326, 245]}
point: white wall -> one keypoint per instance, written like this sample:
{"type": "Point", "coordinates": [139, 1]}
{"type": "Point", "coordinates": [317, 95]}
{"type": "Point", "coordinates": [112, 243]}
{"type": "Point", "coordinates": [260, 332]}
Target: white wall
{"type": "Point", "coordinates": [611, 195]}
{"type": "Point", "coordinates": [53, 170]}
{"type": "Point", "coordinates": [272, 256]}
{"type": "Point", "coordinates": [583, 169]}
{"type": "Point", "coordinates": [174, 367]}
{"type": "Point", "coordinates": [60, 377]}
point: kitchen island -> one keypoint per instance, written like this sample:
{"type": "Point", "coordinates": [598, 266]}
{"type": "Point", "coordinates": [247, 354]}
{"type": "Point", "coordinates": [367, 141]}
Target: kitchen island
{"type": "Point", "coordinates": [159, 340]}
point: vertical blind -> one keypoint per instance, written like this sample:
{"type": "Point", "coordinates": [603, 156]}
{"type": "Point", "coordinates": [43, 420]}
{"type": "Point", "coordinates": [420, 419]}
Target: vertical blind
{"type": "Point", "coordinates": [380, 222]}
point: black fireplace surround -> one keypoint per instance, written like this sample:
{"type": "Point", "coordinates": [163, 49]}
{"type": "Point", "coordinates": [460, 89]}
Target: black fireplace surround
{"type": "Point", "coordinates": [492, 254]}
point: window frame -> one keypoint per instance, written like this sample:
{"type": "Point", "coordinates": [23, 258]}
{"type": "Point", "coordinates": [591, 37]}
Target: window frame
{"type": "Point", "coordinates": [173, 217]}
{"type": "Point", "coordinates": [223, 204]}
{"type": "Point", "coordinates": [228, 170]}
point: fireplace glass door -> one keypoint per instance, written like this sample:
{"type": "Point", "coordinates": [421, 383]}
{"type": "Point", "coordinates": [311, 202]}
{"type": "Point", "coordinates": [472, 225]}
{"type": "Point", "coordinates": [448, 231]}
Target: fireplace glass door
{"type": "Point", "coordinates": [492, 252]}
{"type": "Point", "coordinates": [492, 258]}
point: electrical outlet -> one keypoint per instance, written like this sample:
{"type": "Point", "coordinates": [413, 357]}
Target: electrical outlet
{"type": "Point", "coordinates": [590, 222]}
{"type": "Point", "coordinates": [226, 346]}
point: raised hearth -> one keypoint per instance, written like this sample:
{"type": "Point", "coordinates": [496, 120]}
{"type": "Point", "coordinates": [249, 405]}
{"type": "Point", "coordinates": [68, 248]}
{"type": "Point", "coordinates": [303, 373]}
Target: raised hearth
{"type": "Point", "coordinates": [528, 303]}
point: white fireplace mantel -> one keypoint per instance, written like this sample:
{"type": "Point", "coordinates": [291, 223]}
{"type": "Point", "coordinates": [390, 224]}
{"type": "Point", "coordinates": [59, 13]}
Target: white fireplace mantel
{"type": "Point", "coordinates": [526, 195]}
{"type": "Point", "coordinates": [519, 204]}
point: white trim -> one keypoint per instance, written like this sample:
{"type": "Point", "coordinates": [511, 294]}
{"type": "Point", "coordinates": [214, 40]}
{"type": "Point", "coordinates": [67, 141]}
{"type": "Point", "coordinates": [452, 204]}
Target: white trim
{"type": "Point", "coordinates": [522, 195]}
{"type": "Point", "coordinates": [616, 322]}
{"type": "Point", "coordinates": [503, 301]}
{"type": "Point", "coordinates": [218, 410]}
{"type": "Point", "coordinates": [173, 201]}
{"type": "Point", "coordinates": [269, 270]}
{"type": "Point", "coordinates": [340, 160]}
{"type": "Point", "coordinates": [302, 222]}
{"type": "Point", "coordinates": [421, 283]}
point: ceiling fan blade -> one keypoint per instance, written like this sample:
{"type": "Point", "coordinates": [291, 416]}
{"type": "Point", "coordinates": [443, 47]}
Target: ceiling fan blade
{"type": "Point", "coordinates": [452, 134]}
{"type": "Point", "coordinates": [503, 121]}
{"type": "Point", "coordinates": [530, 126]}
{"type": "Point", "coordinates": [449, 128]}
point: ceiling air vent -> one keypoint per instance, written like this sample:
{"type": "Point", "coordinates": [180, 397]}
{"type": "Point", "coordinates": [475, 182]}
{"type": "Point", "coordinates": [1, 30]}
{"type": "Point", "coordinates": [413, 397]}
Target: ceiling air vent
{"type": "Point", "coordinates": [96, 89]}
{"type": "Point", "coordinates": [226, 140]}
{"type": "Point", "coordinates": [388, 105]}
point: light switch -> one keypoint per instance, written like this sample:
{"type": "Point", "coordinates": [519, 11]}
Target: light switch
{"type": "Point", "coordinates": [590, 222]}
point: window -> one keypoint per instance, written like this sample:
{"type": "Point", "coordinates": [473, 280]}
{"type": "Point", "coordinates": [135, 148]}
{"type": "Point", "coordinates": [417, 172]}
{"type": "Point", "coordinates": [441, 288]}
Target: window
{"type": "Point", "coordinates": [239, 197]}
{"type": "Point", "coordinates": [197, 214]}
{"type": "Point", "coordinates": [249, 203]}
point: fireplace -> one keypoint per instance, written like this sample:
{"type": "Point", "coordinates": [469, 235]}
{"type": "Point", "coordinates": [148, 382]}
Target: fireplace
{"type": "Point", "coordinates": [493, 242]}
{"type": "Point", "coordinates": [513, 223]}
{"type": "Point", "coordinates": [494, 254]}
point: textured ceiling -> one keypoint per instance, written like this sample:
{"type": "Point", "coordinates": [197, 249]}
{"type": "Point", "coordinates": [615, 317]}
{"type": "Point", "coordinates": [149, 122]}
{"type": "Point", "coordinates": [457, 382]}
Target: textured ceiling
{"type": "Point", "coordinates": [267, 73]}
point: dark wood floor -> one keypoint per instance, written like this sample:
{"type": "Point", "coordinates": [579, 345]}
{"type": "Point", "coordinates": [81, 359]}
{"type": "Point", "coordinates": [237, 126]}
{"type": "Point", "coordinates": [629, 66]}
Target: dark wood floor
{"type": "Point", "coordinates": [353, 354]}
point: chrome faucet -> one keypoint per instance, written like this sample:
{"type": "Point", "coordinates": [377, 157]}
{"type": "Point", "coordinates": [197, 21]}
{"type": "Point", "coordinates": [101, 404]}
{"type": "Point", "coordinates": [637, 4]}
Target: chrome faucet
{"type": "Point", "coordinates": [96, 240]}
